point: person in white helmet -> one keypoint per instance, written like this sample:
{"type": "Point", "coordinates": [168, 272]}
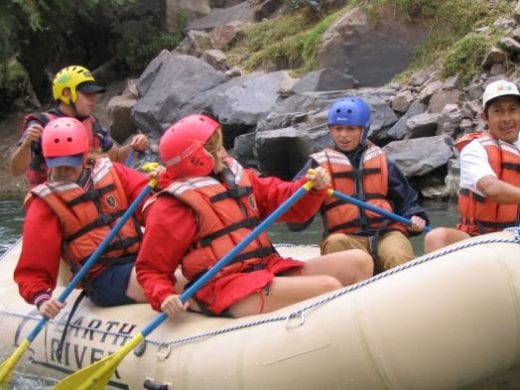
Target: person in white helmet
{"type": "Point", "coordinates": [489, 195]}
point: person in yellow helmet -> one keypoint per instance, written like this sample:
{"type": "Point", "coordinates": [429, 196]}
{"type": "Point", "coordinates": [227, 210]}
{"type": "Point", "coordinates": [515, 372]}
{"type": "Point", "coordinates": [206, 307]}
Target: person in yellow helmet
{"type": "Point", "coordinates": [74, 90]}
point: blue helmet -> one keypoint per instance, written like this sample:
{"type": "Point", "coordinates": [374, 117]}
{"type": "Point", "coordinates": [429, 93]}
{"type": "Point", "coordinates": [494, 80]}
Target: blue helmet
{"type": "Point", "coordinates": [350, 111]}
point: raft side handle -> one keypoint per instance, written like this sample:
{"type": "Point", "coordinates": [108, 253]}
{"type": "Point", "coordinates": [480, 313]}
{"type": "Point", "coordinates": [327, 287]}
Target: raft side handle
{"type": "Point", "coordinates": [150, 385]}
{"type": "Point", "coordinates": [164, 351]}
{"type": "Point", "coordinates": [140, 349]}
{"type": "Point", "coordinates": [298, 319]}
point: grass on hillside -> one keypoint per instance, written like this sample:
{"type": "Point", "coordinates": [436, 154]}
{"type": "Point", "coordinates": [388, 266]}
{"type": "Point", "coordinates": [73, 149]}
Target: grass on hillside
{"type": "Point", "coordinates": [287, 42]}
{"type": "Point", "coordinates": [291, 41]}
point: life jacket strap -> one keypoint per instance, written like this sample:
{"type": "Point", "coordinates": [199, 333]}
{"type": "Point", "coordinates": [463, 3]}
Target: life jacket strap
{"type": "Point", "coordinates": [248, 223]}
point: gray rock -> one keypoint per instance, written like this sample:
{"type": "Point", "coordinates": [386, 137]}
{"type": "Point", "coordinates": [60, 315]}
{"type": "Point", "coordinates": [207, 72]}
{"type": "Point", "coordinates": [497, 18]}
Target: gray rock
{"type": "Point", "coordinates": [350, 43]}
{"type": "Point", "coordinates": [410, 156]}
{"type": "Point", "coordinates": [282, 152]}
{"type": "Point", "coordinates": [220, 17]}
{"type": "Point", "coordinates": [167, 85]}
{"type": "Point", "coordinates": [326, 79]}
{"type": "Point", "coordinates": [423, 125]}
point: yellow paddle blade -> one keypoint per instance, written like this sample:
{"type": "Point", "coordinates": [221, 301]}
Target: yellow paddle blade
{"type": "Point", "coordinates": [6, 368]}
{"type": "Point", "coordinates": [97, 375]}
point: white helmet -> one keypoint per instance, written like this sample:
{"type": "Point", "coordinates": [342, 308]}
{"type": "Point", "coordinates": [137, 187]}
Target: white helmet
{"type": "Point", "coordinates": [499, 88]}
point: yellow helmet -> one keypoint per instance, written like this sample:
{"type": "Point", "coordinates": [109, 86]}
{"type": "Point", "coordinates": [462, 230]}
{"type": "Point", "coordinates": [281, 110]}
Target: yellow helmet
{"type": "Point", "coordinates": [76, 78]}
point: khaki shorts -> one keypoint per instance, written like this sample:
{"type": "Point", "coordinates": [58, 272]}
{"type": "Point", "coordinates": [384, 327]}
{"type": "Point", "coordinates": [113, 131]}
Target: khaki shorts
{"type": "Point", "coordinates": [393, 248]}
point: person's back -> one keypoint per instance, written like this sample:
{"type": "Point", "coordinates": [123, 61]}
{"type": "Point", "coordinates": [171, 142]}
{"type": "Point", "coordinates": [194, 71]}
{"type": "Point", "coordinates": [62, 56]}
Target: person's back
{"type": "Point", "coordinates": [489, 195]}
{"type": "Point", "coordinates": [214, 204]}
{"type": "Point", "coordinates": [74, 90]}
{"type": "Point", "coordinates": [68, 217]}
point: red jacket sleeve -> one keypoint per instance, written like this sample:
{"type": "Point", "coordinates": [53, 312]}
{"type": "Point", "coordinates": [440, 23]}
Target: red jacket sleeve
{"type": "Point", "coordinates": [133, 183]}
{"type": "Point", "coordinates": [271, 192]}
{"type": "Point", "coordinates": [170, 231]}
{"type": "Point", "coordinates": [38, 266]}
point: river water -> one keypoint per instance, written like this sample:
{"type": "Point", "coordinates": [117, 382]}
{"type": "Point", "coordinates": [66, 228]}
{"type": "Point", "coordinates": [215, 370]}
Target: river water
{"type": "Point", "coordinates": [11, 220]}
{"type": "Point", "coordinates": [440, 213]}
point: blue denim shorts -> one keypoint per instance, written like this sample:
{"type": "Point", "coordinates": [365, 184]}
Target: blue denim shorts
{"type": "Point", "coordinates": [109, 287]}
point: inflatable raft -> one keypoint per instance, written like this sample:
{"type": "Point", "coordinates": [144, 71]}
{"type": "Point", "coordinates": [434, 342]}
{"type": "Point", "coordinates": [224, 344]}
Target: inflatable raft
{"type": "Point", "coordinates": [447, 320]}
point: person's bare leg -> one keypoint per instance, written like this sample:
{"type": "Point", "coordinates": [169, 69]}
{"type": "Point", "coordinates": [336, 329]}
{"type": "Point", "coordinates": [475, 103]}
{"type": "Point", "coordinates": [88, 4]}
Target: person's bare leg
{"type": "Point", "coordinates": [348, 267]}
{"type": "Point", "coordinates": [134, 289]}
{"type": "Point", "coordinates": [441, 237]}
{"type": "Point", "coordinates": [284, 291]}
{"type": "Point", "coordinates": [318, 276]}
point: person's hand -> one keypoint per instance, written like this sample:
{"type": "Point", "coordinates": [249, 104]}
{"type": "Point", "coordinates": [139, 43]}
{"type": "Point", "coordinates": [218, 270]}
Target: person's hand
{"type": "Point", "coordinates": [319, 177]}
{"type": "Point", "coordinates": [51, 308]}
{"type": "Point", "coordinates": [173, 305]}
{"type": "Point", "coordinates": [418, 224]}
{"type": "Point", "coordinates": [32, 134]}
{"type": "Point", "coordinates": [140, 143]}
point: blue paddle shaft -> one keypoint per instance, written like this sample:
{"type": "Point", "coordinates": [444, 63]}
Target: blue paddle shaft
{"type": "Point", "coordinates": [375, 209]}
{"type": "Point", "coordinates": [287, 204]}
{"type": "Point", "coordinates": [129, 158]}
{"type": "Point", "coordinates": [94, 256]}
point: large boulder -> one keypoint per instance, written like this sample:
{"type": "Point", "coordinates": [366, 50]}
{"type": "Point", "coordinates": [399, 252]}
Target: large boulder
{"type": "Point", "coordinates": [372, 53]}
{"type": "Point", "coordinates": [167, 85]}
{"type": "Point", "coordinates": [239, 103]}
{"type": "Point", "coordinates": [410, 156]}
{"type": "Point", "coordinates": [178, 12]}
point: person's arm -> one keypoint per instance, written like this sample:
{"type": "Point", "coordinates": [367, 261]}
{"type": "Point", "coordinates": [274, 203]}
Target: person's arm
{"type": "Point", "coordinates": [133, 183]}
{"type": "Point", "coordinates": [20, 160]}
{"type": "Point", "coordinates": [474, 165]}
{"type": "Point", "coordinates": [498, 190]}
{"type": "Point", "coordinates": [477, 175]}
{"type": "Point", "coordinates": [270, 192]}
{"type": "Point", "coordinates": [170, 231]}
{"type": "Point", "coordinates": [404, 198]}
{"type": "Point", "coordinates": [120, 154]}
{"type": "Point", "coordinates": [37, 269]}
{"type": "Point", "coordinates": [299, 226]}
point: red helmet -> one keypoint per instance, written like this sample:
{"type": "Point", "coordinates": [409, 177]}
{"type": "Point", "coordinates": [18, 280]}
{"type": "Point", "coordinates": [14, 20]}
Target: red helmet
{"type": "Point", "coordinates": [64, 142]}
{"type": "Point", "coordinates": [182, 146]}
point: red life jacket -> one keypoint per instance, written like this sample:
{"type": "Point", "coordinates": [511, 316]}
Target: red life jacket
{"type": "Point", "coordinates": [37, 172]}
{"type": "Point", "coordinates": [87, 217]}
{"type": "Point", "coordinates": [226, 213]}
{"type": "Point", "coordinates": [462, 141]}
{"type": "Point", "coordinates": [368, 184]}
{"type": "Point", "coordinates": [482, 215]}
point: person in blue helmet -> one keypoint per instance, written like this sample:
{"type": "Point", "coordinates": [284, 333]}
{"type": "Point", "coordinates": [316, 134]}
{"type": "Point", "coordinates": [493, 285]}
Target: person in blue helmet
{"type": "Point", "coordinates": [360, 169]}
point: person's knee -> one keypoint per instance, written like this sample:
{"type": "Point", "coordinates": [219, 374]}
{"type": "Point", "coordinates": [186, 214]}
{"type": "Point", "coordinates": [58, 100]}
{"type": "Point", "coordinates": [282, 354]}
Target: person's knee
{"type": "Point", "coordinates": [326, 283]}
{"type": "Point", "coordinates": [364, 264]}
{"type": "Point", "coordinates": [436, 239]}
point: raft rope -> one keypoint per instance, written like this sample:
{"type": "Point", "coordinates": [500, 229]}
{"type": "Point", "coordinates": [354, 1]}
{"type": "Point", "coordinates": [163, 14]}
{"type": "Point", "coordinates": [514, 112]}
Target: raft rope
{"type": "Point", "coordinates": [299, 314]}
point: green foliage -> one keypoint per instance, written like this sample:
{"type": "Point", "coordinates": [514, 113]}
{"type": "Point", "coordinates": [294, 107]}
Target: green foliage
{"type": "Point", "coordinates": [285, 54]}
{"type": "Point", "coordinates": [181, 21]}
{"type": "Point", "coordinates": [141, 44]}
{"type": "Point", "coordinates": [289, 41]}
{"type": "Point", "coordinates": [465, 58]}
{"type": "Point", "coordinates": [296, 4]}
{"type": "Point", "coordinates": [45, 35]}
{"type": "Point", "coordinates": [13, 80]}
{"type": "Point", "coordinates": [216, 3]}
{"type": "Point", "coordinates": [313, 39]}
{"type": "Point", "coordinates": [450, 22]}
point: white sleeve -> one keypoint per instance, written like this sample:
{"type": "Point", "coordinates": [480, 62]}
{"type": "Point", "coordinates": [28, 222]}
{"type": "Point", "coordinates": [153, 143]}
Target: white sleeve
{"type": "Point", "coordinates": [474, 165]}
